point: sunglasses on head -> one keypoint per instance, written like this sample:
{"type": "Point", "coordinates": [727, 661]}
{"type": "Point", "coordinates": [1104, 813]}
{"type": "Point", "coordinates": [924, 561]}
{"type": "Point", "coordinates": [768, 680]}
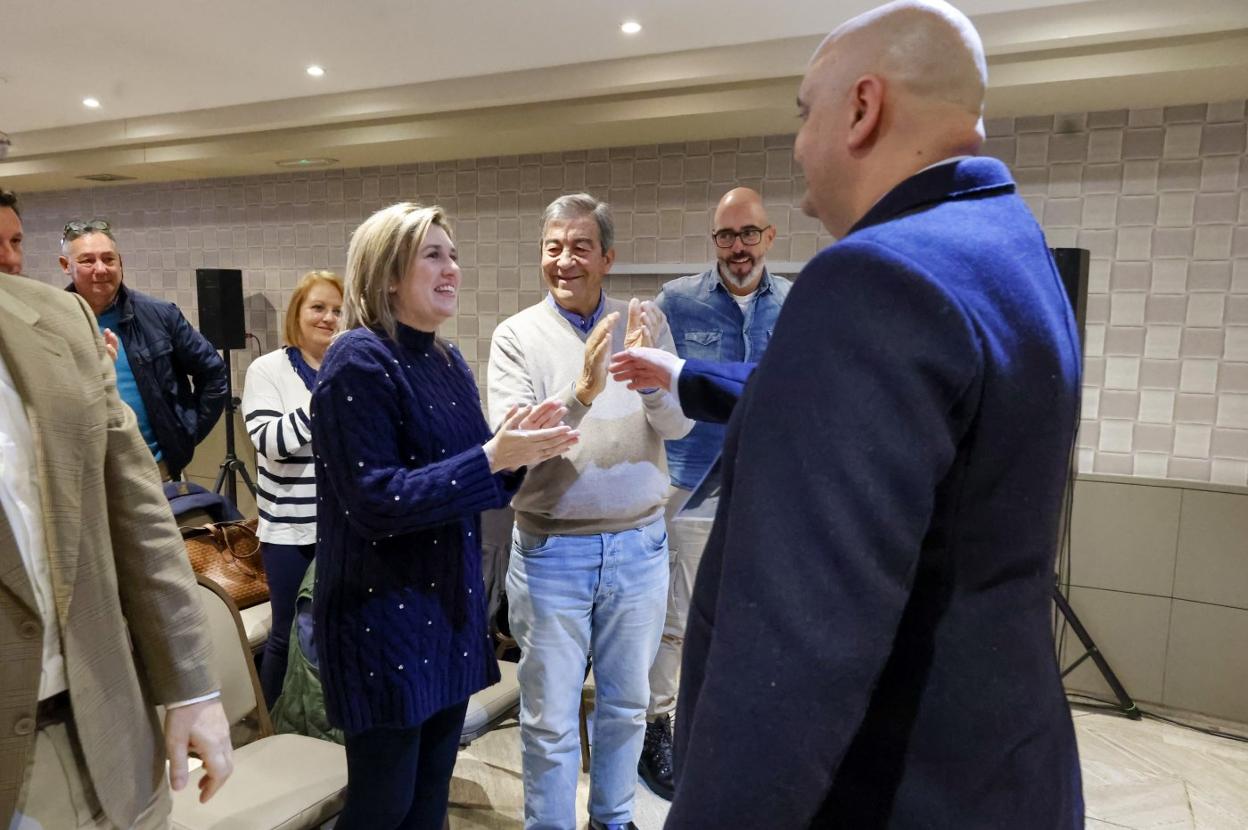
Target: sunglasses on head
{"type": "Point", "coordinates": [78, 228]}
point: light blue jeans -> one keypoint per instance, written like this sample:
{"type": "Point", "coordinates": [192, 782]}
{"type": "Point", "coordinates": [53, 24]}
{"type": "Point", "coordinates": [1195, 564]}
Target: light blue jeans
{"type": "Point", "coordinates": [570, 596]}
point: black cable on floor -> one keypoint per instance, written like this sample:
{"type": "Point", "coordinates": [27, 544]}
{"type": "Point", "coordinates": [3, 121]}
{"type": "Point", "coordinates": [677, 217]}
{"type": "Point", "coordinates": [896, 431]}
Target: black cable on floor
{"type": "Point", "coordinates": [1110, 706]}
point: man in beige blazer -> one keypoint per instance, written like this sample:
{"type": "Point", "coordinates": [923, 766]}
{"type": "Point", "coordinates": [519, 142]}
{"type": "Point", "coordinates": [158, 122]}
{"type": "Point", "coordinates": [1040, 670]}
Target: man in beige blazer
{"type": "Point", "coordinates": [99, 618]}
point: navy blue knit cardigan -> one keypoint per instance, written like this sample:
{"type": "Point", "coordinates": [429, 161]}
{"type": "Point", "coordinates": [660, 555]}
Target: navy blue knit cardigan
{"type": "Point", "coordinates": [400, 606]}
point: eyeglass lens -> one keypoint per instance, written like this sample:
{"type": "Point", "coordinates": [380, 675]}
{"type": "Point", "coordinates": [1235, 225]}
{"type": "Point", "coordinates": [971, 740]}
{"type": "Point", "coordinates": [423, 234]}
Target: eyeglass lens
{"type": "Point", "coordinates": [749, 236]}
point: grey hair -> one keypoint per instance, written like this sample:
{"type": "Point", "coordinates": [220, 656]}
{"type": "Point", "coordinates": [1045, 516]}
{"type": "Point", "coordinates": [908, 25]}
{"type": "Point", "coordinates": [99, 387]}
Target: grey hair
{"type": "Point", "coordinates": [576, 205]}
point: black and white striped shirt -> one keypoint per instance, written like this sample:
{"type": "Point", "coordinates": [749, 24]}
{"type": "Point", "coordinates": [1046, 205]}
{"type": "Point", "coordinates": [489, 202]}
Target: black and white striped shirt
{"type": "Point", "coordinates": [275, 411]}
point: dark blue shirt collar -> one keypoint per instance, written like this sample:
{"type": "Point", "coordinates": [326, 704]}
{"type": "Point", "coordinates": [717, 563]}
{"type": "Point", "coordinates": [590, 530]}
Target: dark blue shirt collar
{"type": "Point", "coordinates": [968, 177]}
{"type": "Point", "coordinates": [584, 324]}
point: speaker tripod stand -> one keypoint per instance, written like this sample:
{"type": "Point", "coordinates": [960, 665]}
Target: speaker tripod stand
{"type": "Point", "coordinates": [1073, 266]}
{"type": "Point", "coordinates": [1125, 704]}
{"type": "Point", "coordinates": [231, 465]}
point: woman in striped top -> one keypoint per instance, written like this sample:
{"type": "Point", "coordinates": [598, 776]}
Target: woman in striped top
{"type": "Point", "coordinates": [276, 397]}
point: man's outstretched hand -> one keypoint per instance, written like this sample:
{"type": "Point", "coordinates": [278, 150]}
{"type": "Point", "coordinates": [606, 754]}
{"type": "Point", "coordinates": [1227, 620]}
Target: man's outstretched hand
{"type": "Point", "coordinates": [645, 368]}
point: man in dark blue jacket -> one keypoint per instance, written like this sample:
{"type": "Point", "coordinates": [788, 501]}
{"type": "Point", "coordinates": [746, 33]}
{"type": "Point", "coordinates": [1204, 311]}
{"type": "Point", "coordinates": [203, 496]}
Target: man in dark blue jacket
{"type": "Point", "coordinates": [171, 376]}
{"type": "Point", "coordinates": [869, 642]}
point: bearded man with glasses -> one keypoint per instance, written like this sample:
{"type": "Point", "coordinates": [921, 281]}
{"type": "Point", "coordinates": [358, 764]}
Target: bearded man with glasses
{"type": "Point", "coordinates": [724, 314]}
{"type": "Point", "coordinates": [167, 372]}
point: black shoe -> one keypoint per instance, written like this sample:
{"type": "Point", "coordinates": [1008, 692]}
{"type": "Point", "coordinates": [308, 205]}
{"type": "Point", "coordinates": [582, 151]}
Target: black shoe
{"type": "Point", "coordinates": [655, 764]}
{"type": "Point", "coordinates": [595, 824]}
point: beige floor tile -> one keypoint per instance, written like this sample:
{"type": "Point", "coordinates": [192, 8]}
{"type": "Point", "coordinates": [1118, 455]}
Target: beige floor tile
{"type": "Point", "coordinates": [487, 792]}
{"type": "Point", "coordinates": [1146, 774]}
{"type": "Point", "coordinates": [1141, 775]}
{"type": "Point", "coordinates": [1151, 804]}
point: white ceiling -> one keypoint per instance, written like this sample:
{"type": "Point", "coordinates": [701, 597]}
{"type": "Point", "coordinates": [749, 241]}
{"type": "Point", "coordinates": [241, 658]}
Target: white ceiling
{"type": "Point", "coordinates": [145, 57]}
{"type": "Point", "coordinates": [197, 88]}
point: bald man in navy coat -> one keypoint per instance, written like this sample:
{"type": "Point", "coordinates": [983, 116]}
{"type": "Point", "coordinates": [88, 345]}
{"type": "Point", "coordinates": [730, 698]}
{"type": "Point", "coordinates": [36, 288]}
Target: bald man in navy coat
{"type": "Point", "coordinates": [869, 642]}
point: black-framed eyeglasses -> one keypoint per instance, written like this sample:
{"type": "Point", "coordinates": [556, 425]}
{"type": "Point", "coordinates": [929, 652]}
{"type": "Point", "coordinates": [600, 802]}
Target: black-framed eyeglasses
{"type": "Point", "coordinates": [749, 236]}
{"type": "Point", "coordinates": [77, 228]}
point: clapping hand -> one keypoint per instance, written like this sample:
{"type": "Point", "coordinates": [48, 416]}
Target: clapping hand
{"type": "Point", "coordinates": [515, 446]}
{"type": "Point", "coordinates": [549, 413]}
{"type": "Point", "coordinates": [644, 321]}
{"type": "Point", "coordinates": [594, 371]}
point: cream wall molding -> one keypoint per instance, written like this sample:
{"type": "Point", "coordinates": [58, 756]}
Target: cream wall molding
{"type": "Point", "coordinates": [682, 269]}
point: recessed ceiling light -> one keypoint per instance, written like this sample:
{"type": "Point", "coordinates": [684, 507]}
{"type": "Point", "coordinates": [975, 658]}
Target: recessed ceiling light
{"type": "Point", "coordinates": [319, 161]}
{"type": "Point", "coordinates": [91, 103]}
{"type": "Point", "coordinates": [630, 27]}
{"type": "Point", "coordinates": [316, 71]}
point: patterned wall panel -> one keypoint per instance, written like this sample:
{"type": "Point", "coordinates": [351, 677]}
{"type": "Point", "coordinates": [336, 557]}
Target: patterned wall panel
{"type": "Point", "coordinates": [1159, 196]}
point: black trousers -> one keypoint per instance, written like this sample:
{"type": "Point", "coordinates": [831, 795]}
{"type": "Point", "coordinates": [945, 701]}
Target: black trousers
{"type": "Point", "coordinates": [400, 779]}
{"type": "Point", "coordinates": [284, 566]}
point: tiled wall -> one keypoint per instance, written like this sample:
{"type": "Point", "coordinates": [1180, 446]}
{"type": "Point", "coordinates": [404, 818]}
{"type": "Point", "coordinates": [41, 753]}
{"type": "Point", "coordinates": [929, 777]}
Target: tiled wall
{"type": "Point", "coordinates": [1159, 577]}
{"type": "Point", "coordinates": [277, 227]}
{"type": "Point", "coordinates": [1160, 197]}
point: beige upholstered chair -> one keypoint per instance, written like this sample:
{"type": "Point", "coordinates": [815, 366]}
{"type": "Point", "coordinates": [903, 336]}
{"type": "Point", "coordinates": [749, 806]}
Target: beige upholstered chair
{"type": "Point", "coordinates": [491, 706]}
{"type": "Point", "coordinates": [280, 782]}
{"type": "Point", "coordinates": [257, 623]}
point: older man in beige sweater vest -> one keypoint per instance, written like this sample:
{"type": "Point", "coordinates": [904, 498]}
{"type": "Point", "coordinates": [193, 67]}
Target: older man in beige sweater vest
{"type": "Point", "coordinates": [589, 564]}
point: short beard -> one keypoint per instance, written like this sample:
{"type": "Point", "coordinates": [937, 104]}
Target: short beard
{"type": "Point", "coordinates": [753, 277]}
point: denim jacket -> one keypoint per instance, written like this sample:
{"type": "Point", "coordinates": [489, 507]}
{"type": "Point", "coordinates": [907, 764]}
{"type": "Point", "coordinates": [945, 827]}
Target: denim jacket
{"type": "Point", "coordinates": [180, 376]}
{"type": "Point", "coordinates": [707, 323]}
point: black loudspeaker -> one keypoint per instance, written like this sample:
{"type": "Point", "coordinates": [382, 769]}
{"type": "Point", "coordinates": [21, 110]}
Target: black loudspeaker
{"type": "Point", "coordinates": [221, 318]}
{"type": "Point", "coordinates": [1072, 265]}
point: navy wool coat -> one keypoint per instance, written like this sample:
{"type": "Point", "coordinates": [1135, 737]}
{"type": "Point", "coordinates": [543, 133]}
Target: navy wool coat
{"type": "Point", "coordinates": [869, 643]}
